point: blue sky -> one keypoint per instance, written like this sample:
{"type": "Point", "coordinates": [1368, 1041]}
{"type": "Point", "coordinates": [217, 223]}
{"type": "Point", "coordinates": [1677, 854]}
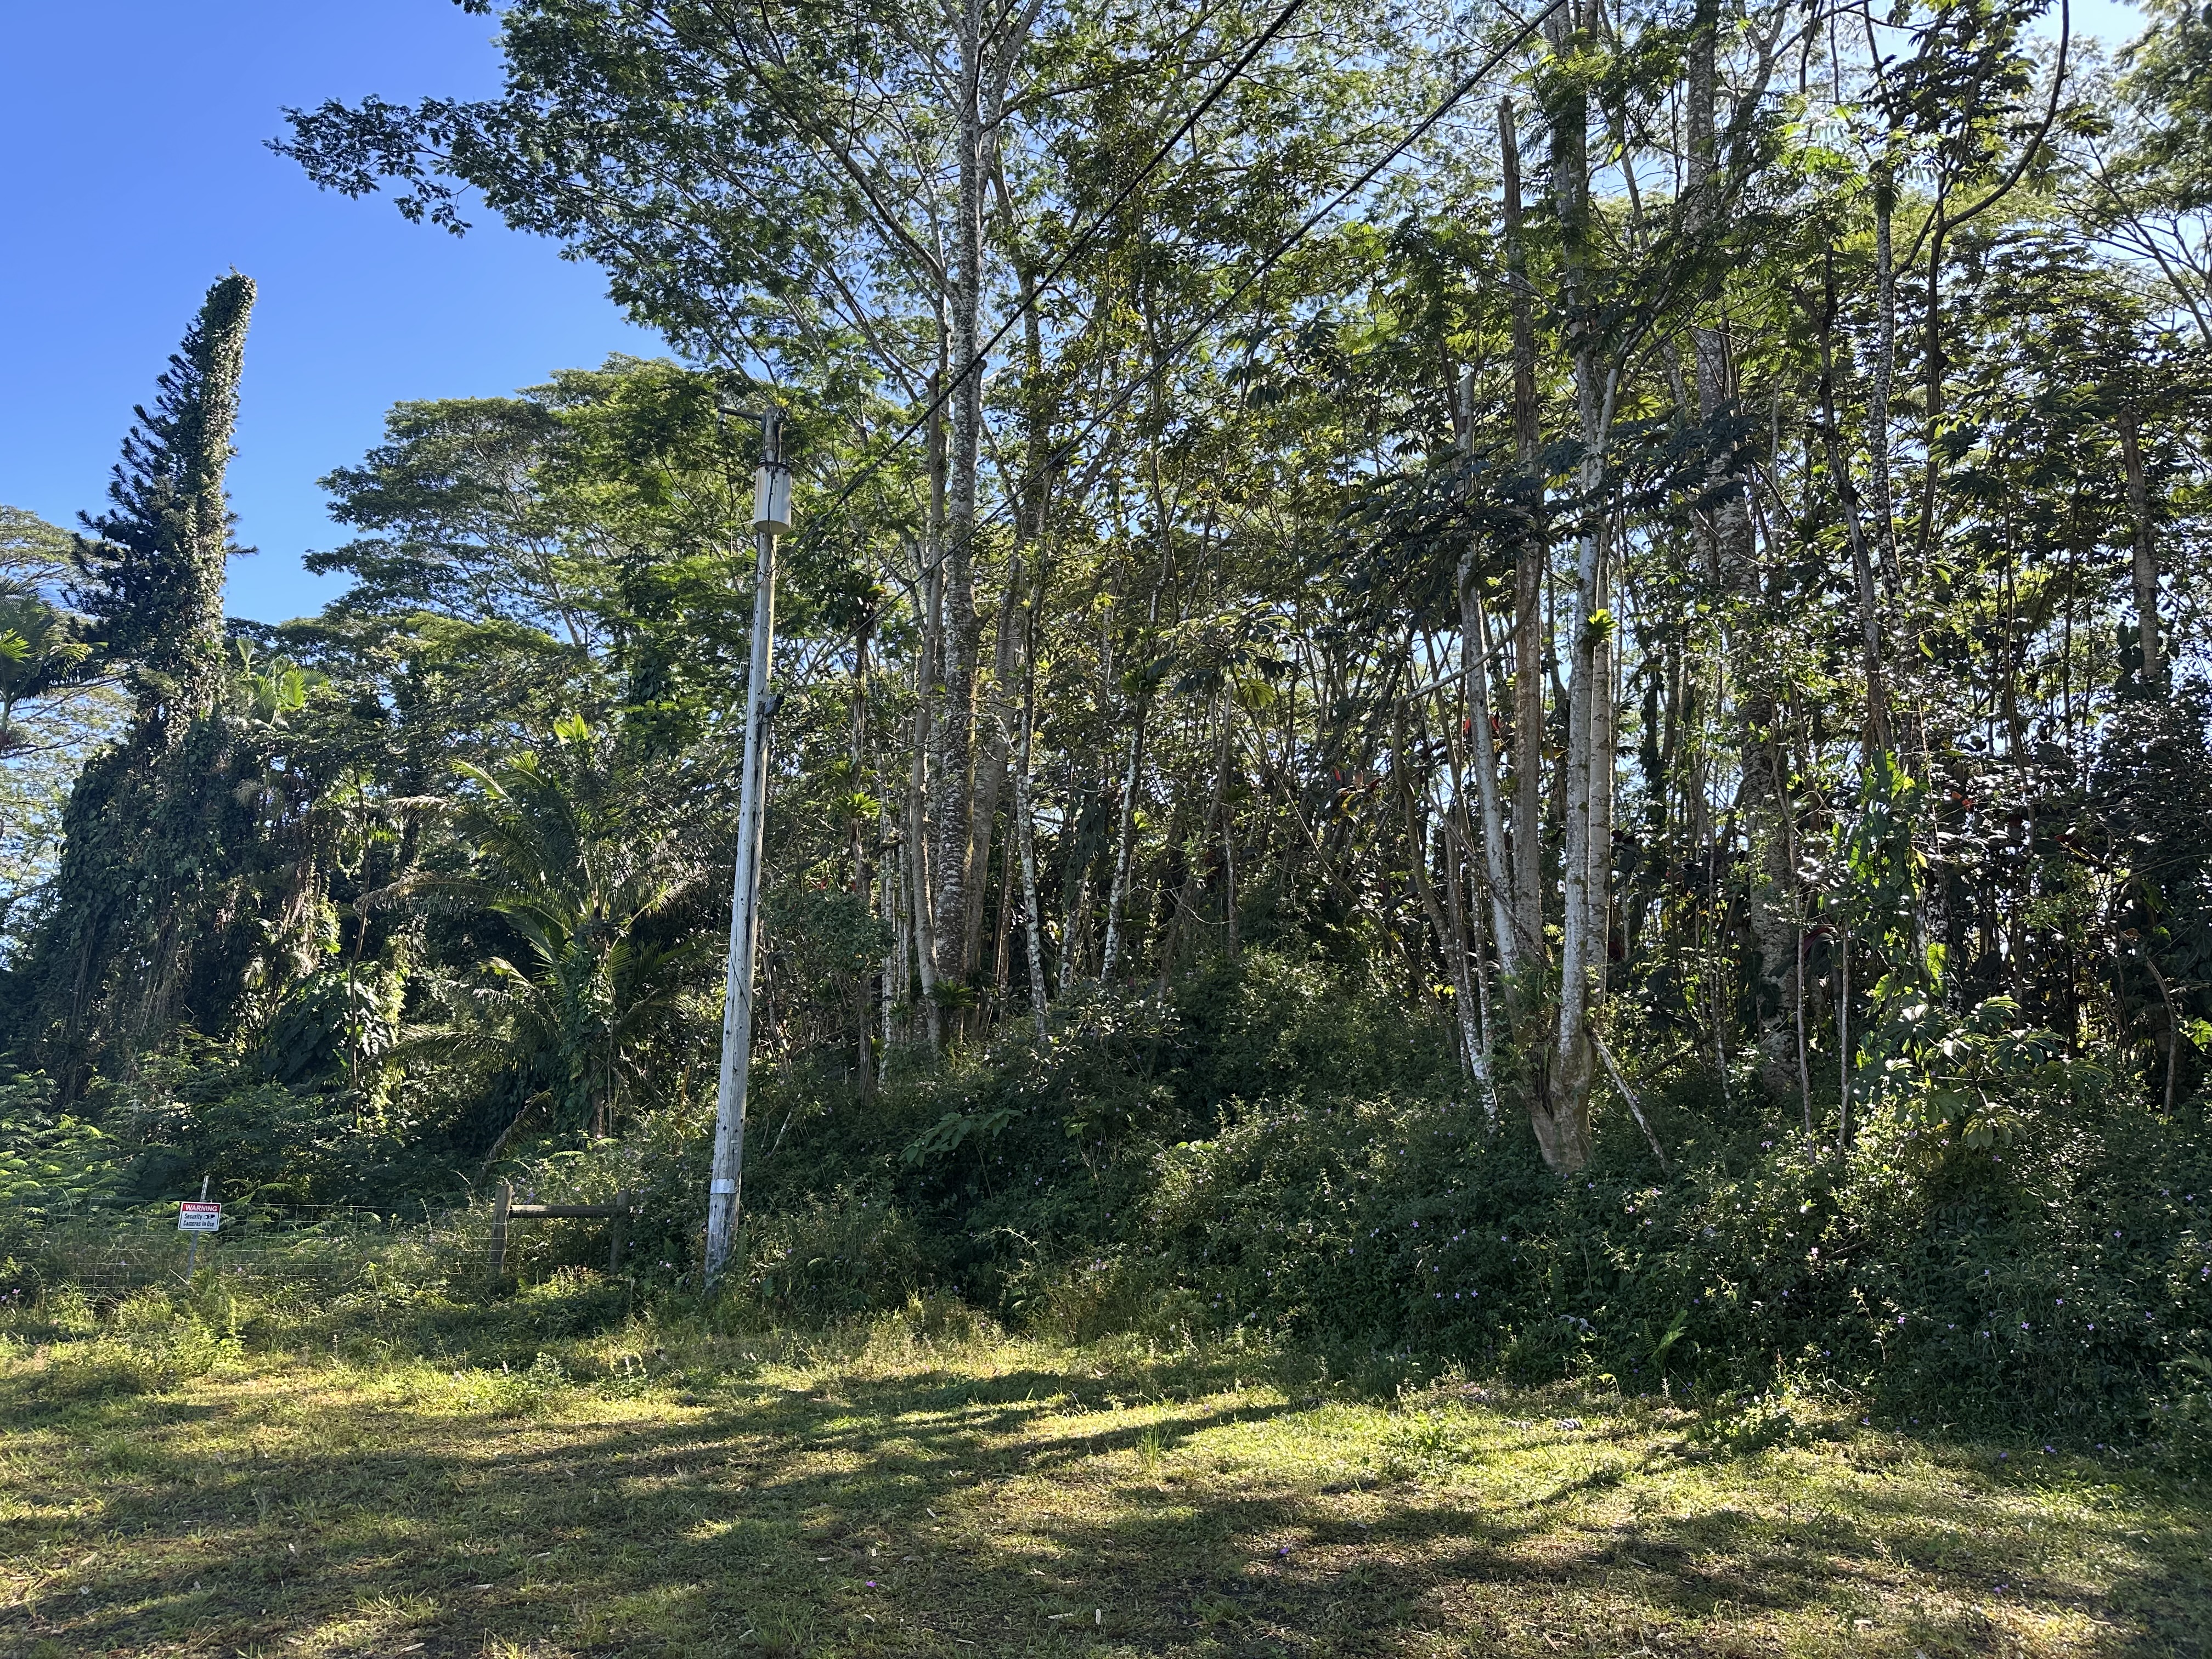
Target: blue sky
{"type": "Point", "coordinates": [135, 175]}
{"type": "Point", "coordinates": [2110, 23]}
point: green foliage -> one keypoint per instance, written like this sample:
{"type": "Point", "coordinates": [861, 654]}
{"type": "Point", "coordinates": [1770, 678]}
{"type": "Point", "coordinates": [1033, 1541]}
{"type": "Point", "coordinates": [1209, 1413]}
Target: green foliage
{"type": "Point", "coordinates": [154, 566]}
{"type": "Point", "coordinates": [587, 890]}
{"type": "Point", "coordinates": [1082, 1196]}
{"type": "Point", "coordinates": [825, 940]}
{"type": "Point", "coordinates": [2050, 1283]}
{"type": "Point", "coordinates": [656, 1166]}
{"type": "Point", "coordinates": [1878, 864]}
{"type": "Point", "coordinates": [2045, 1258]}
{"type": "Point", "coordinates": [177, 879]}
{"type": "Point", "coordinates": [452, 524]}
{"type": "Point", "coordinates": [1864, 422]}
{"type": "Point", "coordinates": [1977, 1078]}
{"type": "Point", "coordinates": [39, 655]}
{"type": "Point", "coordinates": [51, 1163]}
{"type": "Point", "coordinates": [193, 1115]}
{"type": "Point", "coordinates": [53, 713]}
{"type": "Point", "coordinates": [845, 1253]}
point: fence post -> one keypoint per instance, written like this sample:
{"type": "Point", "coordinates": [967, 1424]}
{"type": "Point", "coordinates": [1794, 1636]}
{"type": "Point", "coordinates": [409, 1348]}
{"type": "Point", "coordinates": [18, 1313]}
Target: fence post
{"type": "Point", "coordinates": [500, 1205]}
{"type": "Point", "coordinates": [620, 1229]}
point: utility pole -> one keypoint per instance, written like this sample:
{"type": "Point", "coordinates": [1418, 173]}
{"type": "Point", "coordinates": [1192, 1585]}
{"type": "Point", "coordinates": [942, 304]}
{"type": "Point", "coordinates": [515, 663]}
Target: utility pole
{"type": "Point", "coordinates": [771, 519]}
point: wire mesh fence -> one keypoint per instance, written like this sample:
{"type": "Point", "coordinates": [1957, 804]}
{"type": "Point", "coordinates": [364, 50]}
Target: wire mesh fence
{"type": "Point", "coordinates": [324, 1250]}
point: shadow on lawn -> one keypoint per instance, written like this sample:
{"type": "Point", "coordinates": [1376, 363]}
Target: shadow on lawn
{"type": "Point", "coordinates": [945, 1513]}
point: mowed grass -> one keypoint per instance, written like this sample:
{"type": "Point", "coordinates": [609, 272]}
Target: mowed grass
{"type": "Point", "coordinates": [881, 1490]}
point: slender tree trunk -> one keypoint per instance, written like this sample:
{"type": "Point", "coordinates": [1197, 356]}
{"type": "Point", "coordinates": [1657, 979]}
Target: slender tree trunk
{"type": "Point", "coordinates": [1883, 504]}
{"type": "Point", "coordinates": [894, 974]}
{"type": "Point", "coordinates": [1002, 928]}
{"type": "Point", "coordinates": [1229, 836]}
{"type": "Point", "coordinates": [1804, 1055]}
{"type": "Point", "coordinates": [1458, 929]}
{"type": "Point", "coordinates": [1036, 507]}
{"type": "Point", "coordinates": [917, 864]}
{"type": "Point", "coordinates": [2146, 553]}
{"type": "Point", "coordinates": [991, 764]}
{"type": "Point", "coordinates": [1463, 946]}
{"type": "Point", "coordinates": [1561, 1121]}
{"type": "Point", "coordinates": [1075, 886]}
{"type": "Point", "coordinates": [956, 780]}
{"type": "Point", "coordinates": [1605, 723]}
{"type": "Point", "coordinates": [1125, 843]}
{"type": "Point", "coordinates": [1456, 851]}
{"type": "Point", "coordinates": [862, 881]}
{"type": "Point", "coordinates": [1728, 529]}
{"type": "Point", "coordinates": [1184, 900]}
{"type": "Point", "coordinates": [1025, 841]}
{"type": "Point", "coordinates": [1732, 559]}
{"type": "Point", "coordinates": [1529, 559]}
{"type": "Point", "coordinates": [1561, 1115]}
{"type": "Point", "coordinates": [1931, 334]}
{"type": "Point", "coordinates": [918, 848]}
{"type": "Point", "coordinates": [1878, 734]}
{"type": "Point", "coordinates": [1844, 1040]}
{"type": "Point", "coordinates": [1475, 655]}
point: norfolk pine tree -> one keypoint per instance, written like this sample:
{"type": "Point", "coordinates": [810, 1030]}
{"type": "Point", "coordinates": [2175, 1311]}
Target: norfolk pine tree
{"type": "Point", "coordinates": [145, 835]}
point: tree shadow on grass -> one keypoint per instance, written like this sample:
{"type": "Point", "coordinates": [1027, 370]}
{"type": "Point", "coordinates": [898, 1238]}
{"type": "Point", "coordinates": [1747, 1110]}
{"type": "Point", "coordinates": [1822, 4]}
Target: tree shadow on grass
{"type": "Point", "coordinates": [958, 1509]}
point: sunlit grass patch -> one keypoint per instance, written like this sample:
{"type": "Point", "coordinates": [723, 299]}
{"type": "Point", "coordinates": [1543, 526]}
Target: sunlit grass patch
{"type": "Point", "coordinates": [883, 1489]}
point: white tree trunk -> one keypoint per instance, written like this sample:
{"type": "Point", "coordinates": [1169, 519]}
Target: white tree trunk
{"type": "Point", "coordinates": [1605, 722]}
{"type": "Point", "coordinates": [1498, 865]}
{"type": "Point", "coordinates": [1025, 842]}
{"type": "Point", "coordinates": [1125, 840]}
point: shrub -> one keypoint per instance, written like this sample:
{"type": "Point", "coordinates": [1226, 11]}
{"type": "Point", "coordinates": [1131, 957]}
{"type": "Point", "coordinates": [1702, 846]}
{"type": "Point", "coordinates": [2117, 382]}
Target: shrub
{"type": "Point", "coordinates": [2058, 1282]}
{"type": "Point", "coordinates": [847, 1253]}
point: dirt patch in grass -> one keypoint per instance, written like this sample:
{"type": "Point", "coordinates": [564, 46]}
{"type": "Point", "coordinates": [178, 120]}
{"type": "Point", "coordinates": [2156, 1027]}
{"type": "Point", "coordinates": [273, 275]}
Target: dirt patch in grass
{"type": "Point", "coordinates": [659, 1491]}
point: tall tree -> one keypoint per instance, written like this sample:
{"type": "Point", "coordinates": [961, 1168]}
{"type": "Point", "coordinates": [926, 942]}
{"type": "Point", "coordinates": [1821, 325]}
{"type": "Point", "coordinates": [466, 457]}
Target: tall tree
{"type": "Point", "coordinates": [152, 566]}
{"type": "Point", "coordinates": [155, 825]}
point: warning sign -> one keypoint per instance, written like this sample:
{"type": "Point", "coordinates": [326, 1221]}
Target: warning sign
{"type": "Point", "coordinates": [198, 1218]}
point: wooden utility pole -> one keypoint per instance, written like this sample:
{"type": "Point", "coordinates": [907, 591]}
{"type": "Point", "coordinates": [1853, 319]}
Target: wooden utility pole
{"type": "Point", "coordinates": [771, 519]}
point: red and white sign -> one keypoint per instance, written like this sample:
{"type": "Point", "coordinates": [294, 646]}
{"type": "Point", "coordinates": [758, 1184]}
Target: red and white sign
{"type": "Point", "coordinates": [194, 1217]}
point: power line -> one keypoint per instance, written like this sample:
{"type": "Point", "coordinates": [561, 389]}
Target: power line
{"type": "Point", "coordinates": [1275, 255]}
{"type": "Point", "coordinates": [1268, 261]}
{"type": "Point", "coordinates": [1075, 249]}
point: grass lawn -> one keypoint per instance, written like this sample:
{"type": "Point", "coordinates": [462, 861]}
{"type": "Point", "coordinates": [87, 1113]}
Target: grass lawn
{"type": "Point", "coordinates": [664, 1491]}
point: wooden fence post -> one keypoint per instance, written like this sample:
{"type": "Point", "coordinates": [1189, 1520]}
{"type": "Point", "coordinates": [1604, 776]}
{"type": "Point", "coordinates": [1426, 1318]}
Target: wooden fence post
{"type": "Point", "coordinates": [501, 1205]}
{"type": "Point", "coordinates": [620, 1230]}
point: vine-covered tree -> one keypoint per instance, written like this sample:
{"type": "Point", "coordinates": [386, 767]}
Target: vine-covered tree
{"type": "Point", "coordinates": [153, 565]}
{"type": "Point", "coordinates": [144, 902]}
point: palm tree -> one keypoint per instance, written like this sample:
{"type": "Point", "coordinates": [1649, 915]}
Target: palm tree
{"type": "Point", "coordinates": [570, 865]}
{"type": "Point", "coordinates": [38, 656]}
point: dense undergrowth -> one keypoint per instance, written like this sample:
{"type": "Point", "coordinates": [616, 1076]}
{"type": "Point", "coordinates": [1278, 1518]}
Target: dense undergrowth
{"type": "Point", "coordinates": [1265, 1153]}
